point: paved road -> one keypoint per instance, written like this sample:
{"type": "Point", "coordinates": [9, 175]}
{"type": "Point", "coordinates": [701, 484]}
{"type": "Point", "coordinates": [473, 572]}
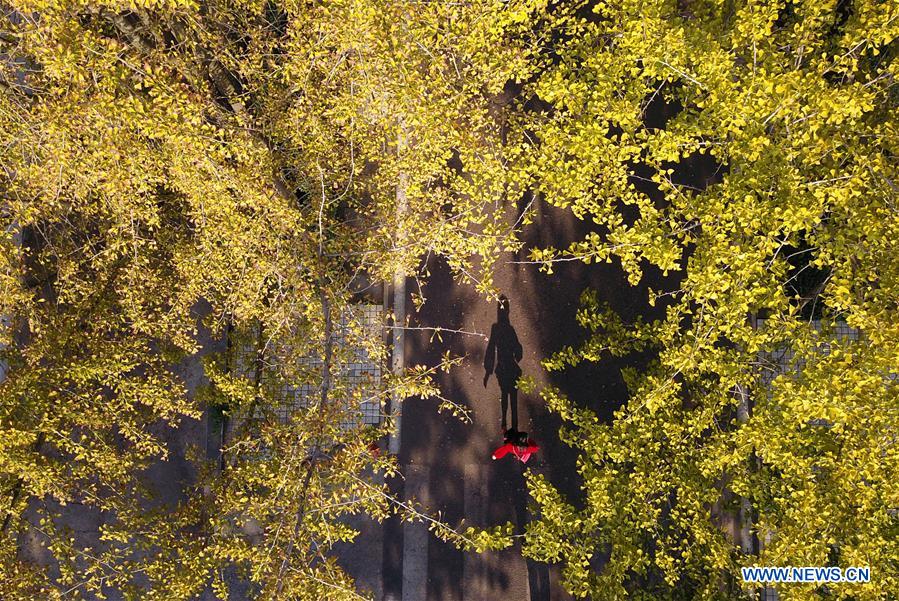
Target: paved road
{"type": "Point", "coordinates": [447, 463]}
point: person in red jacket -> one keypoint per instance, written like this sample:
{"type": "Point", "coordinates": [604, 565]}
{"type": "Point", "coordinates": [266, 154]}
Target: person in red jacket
{"type": "Point", "coordinates": [518, 444]}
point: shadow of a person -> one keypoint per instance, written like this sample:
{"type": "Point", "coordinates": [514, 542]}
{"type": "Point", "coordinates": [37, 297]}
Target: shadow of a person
{"type": "Point", "coordinates": [503, 354]}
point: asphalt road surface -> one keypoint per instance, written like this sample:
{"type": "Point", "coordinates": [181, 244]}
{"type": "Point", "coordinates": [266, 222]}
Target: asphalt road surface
{"type": "Point", "coordinates": [447, 463]}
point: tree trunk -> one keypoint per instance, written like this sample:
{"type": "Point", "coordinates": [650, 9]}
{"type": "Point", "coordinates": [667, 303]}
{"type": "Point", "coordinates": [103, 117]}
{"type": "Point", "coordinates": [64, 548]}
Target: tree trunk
{"type": "Point", "coordinates": [398, 359]}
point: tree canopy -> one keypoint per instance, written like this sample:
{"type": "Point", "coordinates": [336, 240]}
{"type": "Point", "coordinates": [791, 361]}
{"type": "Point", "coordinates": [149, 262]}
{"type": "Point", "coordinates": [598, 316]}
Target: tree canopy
{"type": "Point", "coordinates": [769, 184]}
{"type": "Point", "coordinates": [177, 173]}
{"type": "Point", "coordinates": [239, 164]}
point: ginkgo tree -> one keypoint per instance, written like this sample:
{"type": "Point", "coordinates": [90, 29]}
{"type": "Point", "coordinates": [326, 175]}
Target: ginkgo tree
{"type": "Point", "coordinates": [175, 168]}
{"type": "Point", "coordinates": [770, 189]}
{"type": "Point", "coordinates": [240, 164]}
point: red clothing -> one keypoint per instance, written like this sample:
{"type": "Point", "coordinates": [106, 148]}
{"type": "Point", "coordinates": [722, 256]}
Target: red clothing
{"type": "Point", "coordinates": [523, 453]}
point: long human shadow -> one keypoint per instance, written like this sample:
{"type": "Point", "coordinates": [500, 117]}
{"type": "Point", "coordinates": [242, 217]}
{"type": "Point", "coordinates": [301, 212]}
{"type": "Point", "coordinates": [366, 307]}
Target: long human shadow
{"type": "Point", "coordinates": [504, 351]}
